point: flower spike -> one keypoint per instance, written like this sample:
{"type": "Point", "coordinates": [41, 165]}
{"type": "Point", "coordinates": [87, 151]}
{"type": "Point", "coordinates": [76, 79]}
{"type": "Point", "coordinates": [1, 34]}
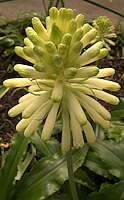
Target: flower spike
{"type": "Point", "coordinates": [62, 80]}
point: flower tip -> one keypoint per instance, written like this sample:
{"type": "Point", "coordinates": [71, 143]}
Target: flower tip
{"type": "Point", "coordinates": [53, 13]}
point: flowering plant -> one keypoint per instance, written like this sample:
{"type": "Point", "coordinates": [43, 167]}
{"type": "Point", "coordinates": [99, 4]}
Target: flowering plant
{"type": "Point", "coordinates": [105, 30]}
{"type": "Point", "coordinates": [60, 82]}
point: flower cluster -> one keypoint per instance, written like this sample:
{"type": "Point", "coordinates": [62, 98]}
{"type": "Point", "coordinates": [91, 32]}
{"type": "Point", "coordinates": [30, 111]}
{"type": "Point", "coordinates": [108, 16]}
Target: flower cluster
{"type": "Point", "coordinates": [60, 82]}
{"type": "Point", "coordinates": [104, 31]}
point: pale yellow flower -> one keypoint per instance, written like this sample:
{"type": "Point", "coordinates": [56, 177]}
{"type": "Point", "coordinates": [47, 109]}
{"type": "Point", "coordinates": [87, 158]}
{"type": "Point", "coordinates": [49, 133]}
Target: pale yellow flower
{"type": "Point", "coordinates": [60, 81]}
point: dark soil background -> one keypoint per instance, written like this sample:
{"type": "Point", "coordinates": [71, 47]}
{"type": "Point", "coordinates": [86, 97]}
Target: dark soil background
{"type": "Point", "coordinates": [7, 124]}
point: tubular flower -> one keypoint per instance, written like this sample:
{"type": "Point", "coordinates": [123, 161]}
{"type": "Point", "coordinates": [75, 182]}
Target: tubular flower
{"type": "Point", "coordinates": [60, 81]}
{"type": "Point", "coordinates": [104, 31]}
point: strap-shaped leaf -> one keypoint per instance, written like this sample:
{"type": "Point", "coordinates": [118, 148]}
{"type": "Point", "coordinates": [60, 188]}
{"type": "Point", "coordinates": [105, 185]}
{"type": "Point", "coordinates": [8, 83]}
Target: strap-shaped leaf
{"type": "Point", "coordinates": [109, 192]}
{"type": "Point", "coordinates": [117, 111]}
{"type": "Point", "coordinates": [9, 171]}
{"type": "Point", "coordinates": [109, 159]}
{"type": "Point", "coordinates": [47, 176]}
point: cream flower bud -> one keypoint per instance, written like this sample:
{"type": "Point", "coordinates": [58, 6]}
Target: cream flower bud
{"type": "Point", "coordinates": [88, 37]}
{"type": "Point", "coordinates": [50, 122]}
{"type": "Point", "coordinates": [19, 51]}
{"type": "Point", "coordinates": [77, 135]}
{"type": "Point", "coordinates": [75, 106]}
{"type": "Point", "coordinates": [89, 132]}
{"type": "Point", "coordinates": [27, 42]}
{"type": "Point", "coordinates": [27, 71]}
{"type": "Point", "coordinates": [87, 71]}
{"type": "Point", "coordinates": [105, 72]}
{"type": "Point", "coordinates": [103, 84]}
{"type": "Point", "coordinates": [90, 53]}
{"type": "Point", "coordinates": [17, 82]}
{"type": "Point", "coordinates": [57, 91]}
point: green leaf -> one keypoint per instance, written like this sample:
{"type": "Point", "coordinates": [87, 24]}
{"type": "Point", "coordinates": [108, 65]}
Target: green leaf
{"type": "Point", "coordinates": [82, 177]}
{"type": "Point", "coordinates": [22, 166]}
{"type": "Point", "coordinates": [59, 197]}
{"type": "Point", "coordinates": [117, 111]}
{"type": "Point", "coordinates": [9, 171]}
{"type": "Point", "coordinates": [47, 148]}
{"type": "Point", "coordinates": [40, 145]}
{"type": "Point", "coordinates": [115, 131]}
{"type": "Point", "coordinates": [109, 192]}
{"type": "Point", "coordinates": [110, 156]}
{"type": "Point", "coordinates": [95, 164]}
{"type": "Point", "coordinates": [47, 176]}
{"type": "Point", "coordinates": [3, 90]}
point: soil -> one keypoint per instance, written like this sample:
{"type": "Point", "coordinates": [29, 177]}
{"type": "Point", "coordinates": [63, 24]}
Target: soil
{"type": "Point", "coordinates": [7, 124]}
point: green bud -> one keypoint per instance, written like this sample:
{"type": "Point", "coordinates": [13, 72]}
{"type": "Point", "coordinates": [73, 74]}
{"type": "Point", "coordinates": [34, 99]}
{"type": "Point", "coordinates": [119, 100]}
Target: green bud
{"type": "Point", "coordinates": [72, 26]}
{"type": "Point", "coordinates": [110, 41]}
{"type": "Point", "coordinates": [76, 48]}
{"type": "Point", "coordinates": [50, 47]}
{"type": "Point", "coordinates": [39, 28]}
{"type": "Point", "coordinates": [48, 24]}
{"type": "Point", "coordinates": [29, 51]}
{"type": "Point", "coordinates": [69, 14]}
{"type": "Point", "coordinates": [53, 13]}
{"type": "Point", "coordinates": [66, 39]}
{"type": "Point", "coordinates": [70, 72]}
{"type": "Point", "coordinates": [80, 20]}
{"type": "Point", "coordinates": [56, 34]}
{"type": "Point", "coordinates": [62, 13]}
{"type": "Point", "coordinates": [39, 67]}
{"type": "Point", "coordinates": [32, 35]}
{"type": "Point", "coordinates": [57, 60]}
{"type": "Point", "coordinates": [111, 35]}
{"type": "Point", "coordinates": [77, 35]}
{"type": "Point", "coordinates": [62, 49]}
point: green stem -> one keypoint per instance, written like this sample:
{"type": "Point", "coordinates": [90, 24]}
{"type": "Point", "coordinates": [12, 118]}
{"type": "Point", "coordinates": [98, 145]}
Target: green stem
{"type": "Point", "coordinates": [71, 175]}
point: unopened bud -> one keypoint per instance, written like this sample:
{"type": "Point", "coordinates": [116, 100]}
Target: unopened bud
{"type": "Point", "coordinates": [72, 26]}
{"type": "Point", "coordinates": [80, 20]}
